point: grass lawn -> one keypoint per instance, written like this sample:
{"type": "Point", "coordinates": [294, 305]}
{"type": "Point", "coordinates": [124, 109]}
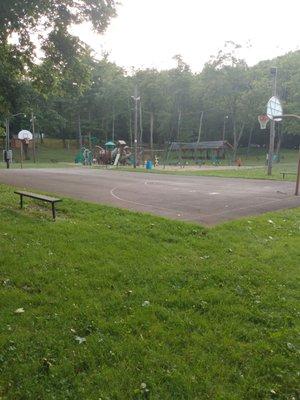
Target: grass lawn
{"type": "Point", "coordinates": [121, 305]}
{"type": "Point", "coordinates": [253, 173]}
{"type": "Point", "coordinates": [289, 161]}
{"type": "Point", "coordinates": [49, 154]}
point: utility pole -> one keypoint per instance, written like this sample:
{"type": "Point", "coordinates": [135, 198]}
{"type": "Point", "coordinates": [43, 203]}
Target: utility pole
{"type": "Point", "coordinates": [79, 132]}
{"type": "Point", "coordinates": [272, 124]}
{"type": "Point", "coordinates": [136, 100]}
{"type": "Point", "coordinates": [90, 134]}
{"type": "Point", "coordinates": [130, 127]}
{"type": "Point", "coordinates": [141, 124]}
{"type": "Point", "coordinates": [151, 129]}
{"type": "Point", "coordinates": [33, 134]}
{"type": "Point", "coordinates": [113, 125]}
{"type": "Point", "coordinates": [224, 127]}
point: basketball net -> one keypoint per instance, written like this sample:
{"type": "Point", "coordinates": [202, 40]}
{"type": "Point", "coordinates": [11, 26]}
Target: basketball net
{"type": "Point", "coordinates": [263, 120]}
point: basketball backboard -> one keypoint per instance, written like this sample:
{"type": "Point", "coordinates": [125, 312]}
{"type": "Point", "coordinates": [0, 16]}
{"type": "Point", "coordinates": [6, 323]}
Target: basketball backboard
{"type": "Point", "coordinates": [274, 109]}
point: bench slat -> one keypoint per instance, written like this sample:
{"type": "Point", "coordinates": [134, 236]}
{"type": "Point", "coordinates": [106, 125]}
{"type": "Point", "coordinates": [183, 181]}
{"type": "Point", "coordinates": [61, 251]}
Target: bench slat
{"type": "Point", "coordinates": [38, 196]}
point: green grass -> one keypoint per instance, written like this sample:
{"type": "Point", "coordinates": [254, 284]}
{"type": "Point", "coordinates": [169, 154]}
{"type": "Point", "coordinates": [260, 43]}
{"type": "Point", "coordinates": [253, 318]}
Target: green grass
{"type": "Point", "coordinates": [221, 322]}
{"type": "Point", "coordinates": [289, 160]}
{"type": "Point", "coordinates": [49, 154]}
{"type": "Point", "coordinates": [253, 173]}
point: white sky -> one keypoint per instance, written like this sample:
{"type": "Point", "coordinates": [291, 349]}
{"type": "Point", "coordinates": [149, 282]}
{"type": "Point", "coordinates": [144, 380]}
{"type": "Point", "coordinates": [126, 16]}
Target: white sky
{"type": "Point", "coordinates": [148, 33]}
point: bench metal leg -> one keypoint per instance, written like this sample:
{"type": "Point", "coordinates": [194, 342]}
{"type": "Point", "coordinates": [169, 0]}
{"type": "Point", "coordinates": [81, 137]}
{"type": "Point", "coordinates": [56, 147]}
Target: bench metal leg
{"type": "Point", "coordinates": [21, 201]}
{"type": "Point", "coordinates": [53, 211]}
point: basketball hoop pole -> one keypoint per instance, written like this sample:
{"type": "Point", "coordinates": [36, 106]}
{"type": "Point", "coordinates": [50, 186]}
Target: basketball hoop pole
{"type": "Point", "coordinates": [272, 125]}
{"type": "Point", "coordinates": [298, 177]}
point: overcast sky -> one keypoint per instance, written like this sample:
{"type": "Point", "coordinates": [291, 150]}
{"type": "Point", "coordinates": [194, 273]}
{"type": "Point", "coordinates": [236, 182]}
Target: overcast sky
{"type": "Point", "coordinates": [148, 33]}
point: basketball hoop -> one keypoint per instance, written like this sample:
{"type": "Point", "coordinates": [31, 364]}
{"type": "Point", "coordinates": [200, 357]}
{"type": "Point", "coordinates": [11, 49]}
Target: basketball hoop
{"type": "Point", "coordinates": [263, 120]}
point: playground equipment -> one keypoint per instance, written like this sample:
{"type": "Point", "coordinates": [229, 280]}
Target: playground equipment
{"type": "Point", "coordinates": [84, 157]}
{"type": "Point", "coordinates": [113, 154]}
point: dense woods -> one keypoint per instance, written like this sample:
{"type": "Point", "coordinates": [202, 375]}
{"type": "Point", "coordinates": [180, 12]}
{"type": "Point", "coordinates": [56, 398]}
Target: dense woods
{"type": "Point", "coordinates": [47, 71]}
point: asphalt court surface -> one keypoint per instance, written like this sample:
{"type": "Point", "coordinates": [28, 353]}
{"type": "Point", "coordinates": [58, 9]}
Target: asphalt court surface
{"type": "Point", "coordinates": [203, 199]}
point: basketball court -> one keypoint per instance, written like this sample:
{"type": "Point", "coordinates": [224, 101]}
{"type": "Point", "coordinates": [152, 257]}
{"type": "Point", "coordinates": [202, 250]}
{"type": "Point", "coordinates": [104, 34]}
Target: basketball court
{"type": "Point", "coordinates": [206, 200]}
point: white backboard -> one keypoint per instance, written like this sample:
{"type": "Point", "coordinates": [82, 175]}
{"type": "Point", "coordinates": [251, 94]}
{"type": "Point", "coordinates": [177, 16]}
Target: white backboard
{"type": "Point", "coordinates": [274, 109]}
{"type": "Point", "coordinates": [25, 135]}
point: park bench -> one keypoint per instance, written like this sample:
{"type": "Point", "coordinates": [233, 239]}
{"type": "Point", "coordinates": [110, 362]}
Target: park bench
{"type": "Point", "coordinates": [287, 173]}
{"type": "Point", "coordinates": [42, 197]}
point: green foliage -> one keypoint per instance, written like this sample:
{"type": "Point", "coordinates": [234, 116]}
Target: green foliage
{"type": "Point", "coordinates": [68, 88]}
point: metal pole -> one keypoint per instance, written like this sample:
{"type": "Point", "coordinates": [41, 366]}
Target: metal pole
{"type": "Point", "coordinates": [33, 134]}
{"type": "Point", "coordinates": [272, 126]}
{"type": "Point", "coordinates": [90, 134]}
{"type": "Point", "coordinates": [151, 130]}
{"type": "Point", "coordinates": [7, 142]}
{"type": "Point", "coordinates": [224, 127]}
{"type": "Point", "coordinates": [79, 132]}
{"type": "Point", "coordinates": [135, 124]}
{"type": "Point", "coordinates": [141, 123]}
{"type": "Point", "coordinates": [113, 125]}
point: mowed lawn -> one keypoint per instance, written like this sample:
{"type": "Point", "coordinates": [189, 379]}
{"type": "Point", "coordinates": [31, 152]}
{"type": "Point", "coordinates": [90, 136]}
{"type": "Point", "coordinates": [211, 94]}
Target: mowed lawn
{"type": "Point", "coordinates": [108, 304]}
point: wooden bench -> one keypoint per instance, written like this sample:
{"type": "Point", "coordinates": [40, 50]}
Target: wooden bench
{"type": "Point", "coordinates": [42, 197]}
{"type": "Point", "coordinates": [287, 173]}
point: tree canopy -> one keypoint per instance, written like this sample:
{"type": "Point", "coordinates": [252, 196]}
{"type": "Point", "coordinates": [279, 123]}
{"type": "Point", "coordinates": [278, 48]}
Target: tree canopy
{"type": "Point", "coordinates": [68, 86]}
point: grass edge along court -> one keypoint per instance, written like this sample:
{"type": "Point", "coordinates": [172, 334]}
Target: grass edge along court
{"type": "Point", "coordinates": [109, 304]}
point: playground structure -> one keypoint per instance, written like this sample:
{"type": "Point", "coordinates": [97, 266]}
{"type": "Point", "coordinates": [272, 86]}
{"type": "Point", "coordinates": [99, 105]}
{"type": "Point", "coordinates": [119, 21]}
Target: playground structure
{"type": "Point", "coordinates": [178, 153]}
{"type": "Point", "coordinates": [110, 154]}
{"type": "Point", "coordinates": [84, 157]}
{"type": "Point", "coordinates": [199, 152]}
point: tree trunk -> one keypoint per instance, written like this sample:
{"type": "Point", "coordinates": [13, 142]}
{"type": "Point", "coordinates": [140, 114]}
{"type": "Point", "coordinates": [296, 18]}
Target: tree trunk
{"type": "Point", "coordinates": [178, 124]}
{"type": "Point", "coordinates": [237, 138]}
{"type": "Point", "coordinates": [249, 141]}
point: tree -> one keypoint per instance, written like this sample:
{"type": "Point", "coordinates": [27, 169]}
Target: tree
{"type": "Point", "coordinates": [24, 17]}
{"type": "Point", "coordinates": [226, 82]}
